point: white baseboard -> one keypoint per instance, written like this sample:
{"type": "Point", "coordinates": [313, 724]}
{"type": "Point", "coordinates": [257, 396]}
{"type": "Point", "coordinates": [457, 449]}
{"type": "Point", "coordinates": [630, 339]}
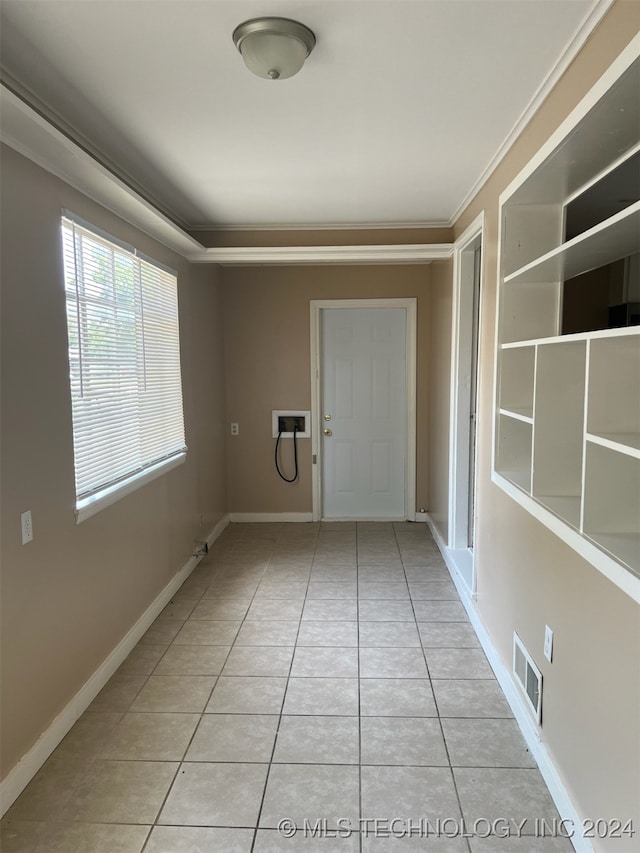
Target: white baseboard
{"type": "Point", "coordinates": [270, 516]}
{"type": "Point", "coordinates": [529, 729]}
{"type": "Point", "coordinates": [24, 771]}
{"type": "Point", "coordinates": [421, 516]}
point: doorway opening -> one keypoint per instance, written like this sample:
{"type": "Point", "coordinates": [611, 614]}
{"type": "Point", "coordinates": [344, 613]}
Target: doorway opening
{"type": "Point", "coordinates": [467, 286]}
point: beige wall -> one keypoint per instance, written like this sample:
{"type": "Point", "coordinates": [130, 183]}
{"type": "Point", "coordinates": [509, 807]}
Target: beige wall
{"type": "Point", "coordinates": [71, 595]}
{"type": "Point", "coordinates": [526, 576]}
{"type": "Point", "coordinates": [267, 353]}
{"type": "Point", "coordinates": [328, 237]}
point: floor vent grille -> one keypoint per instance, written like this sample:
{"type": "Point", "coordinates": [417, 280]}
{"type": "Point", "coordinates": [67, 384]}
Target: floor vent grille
{"type": "Point", "coordinates": [528, 677]}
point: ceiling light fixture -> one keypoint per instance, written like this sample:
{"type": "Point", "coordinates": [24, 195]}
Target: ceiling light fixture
{"type": "Point", "coordinates": [274, 48]}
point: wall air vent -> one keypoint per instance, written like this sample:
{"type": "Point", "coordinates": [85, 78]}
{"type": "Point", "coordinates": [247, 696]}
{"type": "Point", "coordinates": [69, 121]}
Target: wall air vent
{"type": "Point", "coordinates": [528, 677]}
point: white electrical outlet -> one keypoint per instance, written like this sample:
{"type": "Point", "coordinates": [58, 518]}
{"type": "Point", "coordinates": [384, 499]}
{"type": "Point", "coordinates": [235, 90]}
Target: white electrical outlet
{"type": "Point", "coordinates": [27, 527]}
{"type": "Point", "coordinates": [548, 643]}
{"type": "Point", "coordinates": [235, 429]}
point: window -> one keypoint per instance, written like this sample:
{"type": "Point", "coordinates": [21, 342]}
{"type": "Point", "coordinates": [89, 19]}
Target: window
{"type": "Point", "coordinates": [124, 364]}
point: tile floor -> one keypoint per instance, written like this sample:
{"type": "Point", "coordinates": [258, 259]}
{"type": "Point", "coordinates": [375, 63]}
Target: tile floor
{"type": "Point", "coordinates": [304, 672]}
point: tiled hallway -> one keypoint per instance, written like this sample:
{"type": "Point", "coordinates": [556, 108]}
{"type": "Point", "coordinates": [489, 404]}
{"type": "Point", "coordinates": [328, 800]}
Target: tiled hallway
{"type": "Point", "coordinates": [321, 672]}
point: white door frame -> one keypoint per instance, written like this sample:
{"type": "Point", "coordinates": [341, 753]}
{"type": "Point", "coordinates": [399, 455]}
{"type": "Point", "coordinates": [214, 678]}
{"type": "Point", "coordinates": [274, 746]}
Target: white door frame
{"type": "Point", "coordinates": [316, 307]}
{"type": "Point", "coordinates": [459, 435]}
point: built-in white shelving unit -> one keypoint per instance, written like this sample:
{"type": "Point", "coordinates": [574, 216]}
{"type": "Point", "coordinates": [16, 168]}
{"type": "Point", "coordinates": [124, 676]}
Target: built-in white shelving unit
{"type": "Point", "coordinates": [567, 423]}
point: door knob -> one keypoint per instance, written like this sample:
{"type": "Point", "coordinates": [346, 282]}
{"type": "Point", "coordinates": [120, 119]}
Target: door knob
{"type": "Point", "coordinates": [327, 431]}
{"type": "Point", "coordinates": [327, 417]}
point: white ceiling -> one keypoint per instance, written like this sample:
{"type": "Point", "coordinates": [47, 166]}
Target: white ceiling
{"type": "Point", "coordinates": [394, 118]}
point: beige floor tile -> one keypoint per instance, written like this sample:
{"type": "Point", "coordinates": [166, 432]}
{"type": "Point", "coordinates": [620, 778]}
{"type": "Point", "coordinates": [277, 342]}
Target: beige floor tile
{"type": "Point", "coordinates": [380, 557]}
{"type": "Point", "coordinates": [486, 743]}
{"type": "Point", "coordinates": [162, 631]}
{"type": "Point", "coordinates": [524, 844]}
{"type": "Point", "coordinates": [118, 693]}
{"type": "Point", "coordinates": [288, 570]}
{"type": "Point", "coordinates": [178, 610]}
{"type": "Point", "coordinates": [315, 661]}
{"type": "Point", "coordinates": [347, 692]}
{"type": "Point", "coordinates": [259, 660]}
{"type": "Point", "coordinates": [51, 788]}
{"type": "Point", "coordinates": [403, 842]}
{"type": "Point", "coordinates": [433, 591]}
{"type": "Point", "coordinates": [174, 693]}
{"type": "Point", "coordinates": [94, 838]}
{"type": "Point", "coordinates": [142, 660]}
{"type": "Point", "coordinates": [392, 663]}
{"type": "Point", "coordinates": [334, 574]}
{"type": "Point", "coordinates": [458, 663]}
{"type": "Point", "coordinates": [89, 735]}
{"type": "Point", "coordinates": [396, 697]}
{"type": "Point", "coordinates": [247, 695]}
{"type": "Point", "coordinates": [327, 633]}
{"type": "Point", "coordinates": [151, 737]}
{"type": "Point", "coordinates": [385, 611]}
{"type": "Point", "coordinates": [440, 611]}
{"type": "Point", "coordinates": [317, 740]}
{"type": "Point", "coordinates": [403, 740]}
{"type": "Point", "coordinates": [214, 609]}
{"type": "Point", "coordinates": [275, 608]}
{"type": "Point", "coordinates": [321, 610]}
{"type": "Point", "coordinates": [200, 633]}
{"type": "Point", "coordinates": [448, 635]}
{"type": "Point", "coordinates": [121, 792]}
{"type": "Point", "coordinates": [272, 841]}
{"type": "Point", "coordinates": [436, 572]}
{"type": "Point", "coordinates": [234, 737]}
{"type": "Point", "coordinates": [299, 791]}
{"type": "Point", "coordinates": [380, 574]}
{"type": "Point", "coordinates": [22, 836]}
{"type": "Point", "coordinates": [281, 589]}
{"type": "Point", "coordinates": [316, 696]}
{"type": "Point", "coordinates": [380, 634]}
{"type": "Point", "coordinates": [471, 698]}
{"type": "Point", "coordinates": [339, 590]}
{"type": "Point", "coordinates": [263, 632]}
{"type": "Point", "coordinates": [196, 839]}
{"type": "Point", "coordinates": [193, 660]}
{"type": "Point", "coordinates": [411, 793]}
{"type": "Point", "coordinates": [215, 795]}
{"type": "Point", "coordinates": [392, 591]}
{"type": "Point", "coordinates": [491, 794]}
{"type": "Point", "coordinates": [333, 557]}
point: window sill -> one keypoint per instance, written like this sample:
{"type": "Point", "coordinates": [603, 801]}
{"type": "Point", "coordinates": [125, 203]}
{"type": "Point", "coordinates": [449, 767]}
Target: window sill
{"type": "Point", "coordinates": [94, 504]}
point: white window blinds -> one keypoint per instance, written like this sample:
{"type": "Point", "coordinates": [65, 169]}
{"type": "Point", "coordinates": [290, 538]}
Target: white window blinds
{"type": "Point", "coordinates": [124, 360]}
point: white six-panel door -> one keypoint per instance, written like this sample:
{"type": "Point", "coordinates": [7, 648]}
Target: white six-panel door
{"type": "Point", "coordinates": [363, 401]}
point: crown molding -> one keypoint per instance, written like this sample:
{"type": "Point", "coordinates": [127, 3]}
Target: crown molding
{"type": "Point", "coordinates": [421, 253]}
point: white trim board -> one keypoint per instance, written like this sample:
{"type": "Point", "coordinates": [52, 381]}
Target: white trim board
{"type": "Point", "coordinates": [261, 517]}
{"type": "Point", "coordinates": [526, 724]}
{"type": "Point", "coordinates": [415, 253]}
{"type": "Point", "coordinates": [410, 304]}
{"type": "Point", "coordinates": [24, 771]}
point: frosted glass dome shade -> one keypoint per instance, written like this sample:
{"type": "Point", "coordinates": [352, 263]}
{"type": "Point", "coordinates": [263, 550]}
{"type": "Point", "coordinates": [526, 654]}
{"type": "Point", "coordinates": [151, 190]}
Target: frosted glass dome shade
{"type": "Point", "coordinates": [274, 48]}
